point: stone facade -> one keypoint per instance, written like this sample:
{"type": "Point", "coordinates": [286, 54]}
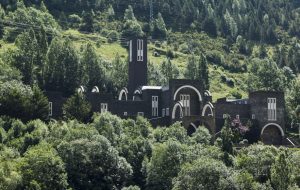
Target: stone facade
{"type": "Point", "coordinates": [181, 100]}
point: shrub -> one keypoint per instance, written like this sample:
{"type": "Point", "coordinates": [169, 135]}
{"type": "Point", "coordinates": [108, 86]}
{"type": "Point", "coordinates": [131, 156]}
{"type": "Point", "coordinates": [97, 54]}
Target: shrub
{"type": "Point", "coordinates": [113, 36]}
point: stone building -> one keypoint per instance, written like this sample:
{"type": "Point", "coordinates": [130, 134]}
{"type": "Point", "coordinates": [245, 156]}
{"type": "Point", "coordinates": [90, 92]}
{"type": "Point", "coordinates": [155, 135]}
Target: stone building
{"type": "Point", "coordinates": [181, 100]}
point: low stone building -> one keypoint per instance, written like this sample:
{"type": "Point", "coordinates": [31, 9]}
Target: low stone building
{"type": "Point", "coordinates": [181, 100]}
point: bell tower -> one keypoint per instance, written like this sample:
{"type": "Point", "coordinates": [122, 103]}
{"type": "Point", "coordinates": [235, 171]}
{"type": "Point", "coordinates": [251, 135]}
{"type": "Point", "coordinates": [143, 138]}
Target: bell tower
{"type": "Point", "coordinates": [137, 69]}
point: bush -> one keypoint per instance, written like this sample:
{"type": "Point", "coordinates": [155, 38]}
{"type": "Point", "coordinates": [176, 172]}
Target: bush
{"type": "Point", "coordinates": [215, 57]}
{"type": "Point", "coordinates": [77, 107]}
{"type": "Point", "coordinates": [74, 21]}
{"type": "Point", "coordinates": [113, 36]}
{"type": "Point", "coordinates": [230, 82]}
{"type": "Point", "coordinates": [235, 93]}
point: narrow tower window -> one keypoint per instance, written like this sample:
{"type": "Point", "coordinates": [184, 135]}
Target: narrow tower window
{"type": "Point", "coordinates": [50, 109]}
{"type": "Point", "coordinates": [140, 50]}
{"type": "Point", "coordinates": [272, 109]}
{"type": "Point", "coordinates": [185, 100]}
{"type": "Point", "coordinates": [130, 50]}
{"type": "Point", "coordinates": [155, 106]}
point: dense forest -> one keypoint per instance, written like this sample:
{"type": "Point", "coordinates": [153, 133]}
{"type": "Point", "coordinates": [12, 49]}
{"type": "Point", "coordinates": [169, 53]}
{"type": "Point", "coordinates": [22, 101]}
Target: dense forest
{"type": "Point", "coordinates": [231, 46]}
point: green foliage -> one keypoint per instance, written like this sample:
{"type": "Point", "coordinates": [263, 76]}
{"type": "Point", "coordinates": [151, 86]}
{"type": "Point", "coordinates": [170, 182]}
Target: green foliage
{"type": "Point", "coordinates": [63, 70]}
{"type": "Point", "coordinates": [93, 71]}
{"type": "Point", "coordinates": [201, 136]}
{"type": "Point", "coordinates": [293, 101]}
{"type": "Point", "coordinates": [294, 160]}
{"type": "Point", "coordinates": [87, 21]}
{"type": "Point", "coordinates": [164, 165]}
{"type": "Point", "coordinates": [265, 75]}
{"type": "Point", "coordinates": [97, 164]}
{"type": "Point", "coordinates": [74, 21]}
{"type": "Point", "coordinates": [203, 173]}
{"type": "Point", "coordinates": [77, 107]}
{"type": "Point", "coordinates": [29, 17]}
{"type": "Point", "coordinates": [174, 132]}
{"type": "Point", "coordinates": [281, 172]}
{"type": "Point", "coordinates": [160, 30]}
{"type": "Point", "coordinates": [169, 70]}
{"type": "Point", "coordinates": [20, 101]}
{"type": "Point", "coordinates": [131, 27]}
{"type": "Point", "coordinates": [9, 73]}
{"type": "Point", "coordinates": [42, 168]}
{"type": "Point", "coordinates": [10, 175]}
{"type": "Point", "coordinates": [257, 160]}
{"type": "Point", "coordinates": [227, 137]}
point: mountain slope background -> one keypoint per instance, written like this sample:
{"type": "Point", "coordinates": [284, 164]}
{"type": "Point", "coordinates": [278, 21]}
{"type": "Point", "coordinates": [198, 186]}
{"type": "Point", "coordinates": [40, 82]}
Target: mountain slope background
{"type": "Point", "coordinates": [229, 33]}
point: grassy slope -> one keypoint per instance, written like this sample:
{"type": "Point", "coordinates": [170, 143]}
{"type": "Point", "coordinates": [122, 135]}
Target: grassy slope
{"type": "Point", "coordinates": [109, 50]}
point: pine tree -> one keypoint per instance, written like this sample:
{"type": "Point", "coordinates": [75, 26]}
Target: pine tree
{"type": "Point", "coordinates": [110, 12]}
{"type": "Point", "coordinates": [203, 73]}
{"type": "Point", "coordinates": [169, 70]}
{"type": "Point", "coordinates": [191, 68]}
{"type": "Point", "coordinates": [26, 56]}
{"type": "Point", "coordinates": [77, 107]}
{"type": "Point", "coordinates": [227, 136]}
{"type": "Point", "coordinates": [160, 30]}
{"type": "Point", "coordinates": [42, 42]}
{"type": "Point", "coordinates": [39, 108]}
{"type": "Point", "coordinates": [131, 27]}
{"type": "Point", "coordinates": [88, 21]}
{"type": "Point", "coordinates": [71, 61]}
{"type": "Point", "coordinates": [2, 15]}
{"type": "Point", "coordinates": [93, 74]}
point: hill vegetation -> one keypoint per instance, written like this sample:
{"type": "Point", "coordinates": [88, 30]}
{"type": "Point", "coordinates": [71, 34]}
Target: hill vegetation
{"type": "Point", "coordinates": [231, 47]}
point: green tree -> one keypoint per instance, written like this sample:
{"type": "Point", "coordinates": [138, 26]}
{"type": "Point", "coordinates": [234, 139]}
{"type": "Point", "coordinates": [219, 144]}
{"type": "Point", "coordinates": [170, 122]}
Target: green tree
{"type": "Point", "coordinates": [294, 160]}
{"type": "Point", "coordinates": [281, 172]}
{"type": "Point", "coordinates": [169, 70]}
{"type": "Point", "coordinates": [14, 99]}
{"type": "Point", "coordinates": [77, 107]}
{"type": "Point", "coordinates": [131, 27]}
{"type": "Point", "coordinates": [203, 73]}
{"type": "Point", "coordinates": [9, 73]}
{"type": "Point", "coordinates": [2, 15]}
{"type": "Point", "coordinates": [110, 13]}
{"type": "Point", "coordinates": [39, 105]}
{"type": "Point", "coordinates": [87, 21]}
{"type": "Point", "coordinates": [63, 70]}
{"type": "Point", "coordinates": [26, 56]}
{"type": "Point", "coordinates": [293, 100]}
{"type": "Point", "coordinates": [191, 68]}
{"type": "Point", "coordinates": [201, 136]}
{"type": "Point", "coordinates": [160, 30]}
{"type": "Point", "coordinates": [227, 137]}
{"type": "Point", "coordinates": [42, 168]}
{"type": "Point", "coordinates": [265, 75]}
{"type": "Point", "coordinates": [10, 175]}
{"type": "Point", "coordinates": [93, 71]}
{"type": "Point", "coordinates": [257, 161]}
{"type": "Point", "coordinates": [118, 77]}
{"type": "Point", "coordinates": [97, 164]}
{"type": "Point", "coordinates": [164, 165]}
{"type": "Point", "coordinates": [203, 173]}
{"type": "Point", "coordinates": [29, 17]}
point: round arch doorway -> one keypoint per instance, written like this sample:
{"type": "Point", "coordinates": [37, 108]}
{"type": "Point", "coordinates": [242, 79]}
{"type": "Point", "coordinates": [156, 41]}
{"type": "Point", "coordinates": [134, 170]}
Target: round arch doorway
{"type": "Point", "coordinates": [272, 134]}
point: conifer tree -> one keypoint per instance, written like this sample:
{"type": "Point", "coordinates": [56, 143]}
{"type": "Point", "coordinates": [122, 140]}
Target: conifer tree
{"type": "Point", "coordinates": [77, 107]}
{"type": "Point", "coordinates": [191, 68]}
{"type": "Point", "coordinates": [160, 30]}
{"type": "Point", "coordinates": [131, 27]}
{"type": "Point", "coordinates": [203, 73]}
